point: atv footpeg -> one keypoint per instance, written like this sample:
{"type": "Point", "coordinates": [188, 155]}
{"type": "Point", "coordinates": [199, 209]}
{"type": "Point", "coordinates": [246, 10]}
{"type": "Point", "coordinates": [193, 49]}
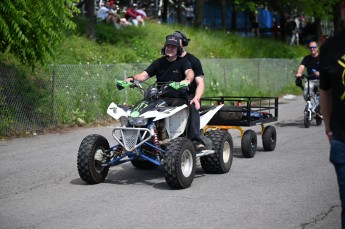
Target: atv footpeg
{"type": "Point", "coordinates": [204, 153]}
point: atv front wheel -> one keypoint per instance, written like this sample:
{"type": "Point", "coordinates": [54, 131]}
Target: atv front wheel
{"type": "Point", "coordinates": [306, 120]}
{"type": "Point", "coordinates": [221, 160]}
{"type": "Point", "coordinates": [91, 155]}
{"type": "Point", "coordinates": [179, 163]}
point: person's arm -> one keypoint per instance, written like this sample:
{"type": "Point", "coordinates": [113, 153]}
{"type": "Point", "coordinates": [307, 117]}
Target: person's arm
{"type": "Point", "coordinates": [189, 76]}
{"type": "Point", "coordinates": [200, 87]}
{"type": "Point", "coordinates": [139, 77]}
{"type": "Point", "coordinates": [300, 70]}
{"type": "Point", "coordinates": [326, 110]}
{"type": "Point", "coordinates": [131, 13]}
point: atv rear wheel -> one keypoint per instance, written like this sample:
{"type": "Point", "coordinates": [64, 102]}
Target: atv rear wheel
{"type": "Point", "coordinates": [221, 160]}
{"type": "Point", "coordinates": [179, 163]}
{"type": "Point", "coordinates": [91, 155]}
{"type": "Point", "coordinates": [249, 143]}
{"type": "Point", "coordinates": [318, 120]}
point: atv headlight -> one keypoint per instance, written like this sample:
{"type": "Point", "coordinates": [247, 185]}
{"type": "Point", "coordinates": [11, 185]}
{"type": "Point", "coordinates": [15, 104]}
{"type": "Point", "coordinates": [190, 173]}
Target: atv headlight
{"type": "Point", "coordinates": [139, 121]}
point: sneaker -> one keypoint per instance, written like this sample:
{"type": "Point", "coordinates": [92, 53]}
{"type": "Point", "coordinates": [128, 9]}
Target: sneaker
{"type": "Point", "coordinates": [199, 146]}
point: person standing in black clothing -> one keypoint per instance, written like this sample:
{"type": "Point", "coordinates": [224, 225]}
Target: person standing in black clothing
{"type": "Point", "coordinates": [172, 67]}
{"type": "Point", "coordinates": [312, 63]}
{"type": "Point", "coordinates": [195, 92]}
{"type": "Point", "coordinates": [332, 102]}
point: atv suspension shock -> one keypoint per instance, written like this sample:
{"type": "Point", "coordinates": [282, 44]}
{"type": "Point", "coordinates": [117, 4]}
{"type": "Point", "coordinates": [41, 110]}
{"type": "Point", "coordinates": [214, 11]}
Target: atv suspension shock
{"type": "Point", "coordinates": [156, 141]}
{"type": "Point", "coordinates": [118, 150]}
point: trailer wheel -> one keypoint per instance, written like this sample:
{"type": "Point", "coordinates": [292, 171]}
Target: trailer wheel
{"type": "Point", "coordinates": [269, 138]}
{"type": "Point", "coordinates": [91, 155]}
{"type": "Point", "coordinates": [179, 163]}
{"type": "Point", "coordinates": [143, 164]}
{"type": "Point", "coordinates": [221, 160]}
{"type": "Point", "coordinates": [249, 143]}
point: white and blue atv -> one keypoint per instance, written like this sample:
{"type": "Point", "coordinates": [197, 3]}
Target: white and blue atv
{"type": "Point", "coordinates": [152, 134]}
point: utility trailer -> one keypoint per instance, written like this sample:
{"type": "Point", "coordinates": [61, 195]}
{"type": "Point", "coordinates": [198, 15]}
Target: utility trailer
{"type": "Point", "coordinates": [239, 112]}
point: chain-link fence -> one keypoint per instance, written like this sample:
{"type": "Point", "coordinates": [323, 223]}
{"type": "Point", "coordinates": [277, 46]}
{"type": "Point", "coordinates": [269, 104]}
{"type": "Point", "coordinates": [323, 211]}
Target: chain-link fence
{"type": "Point", "coordinates": [74, 94]}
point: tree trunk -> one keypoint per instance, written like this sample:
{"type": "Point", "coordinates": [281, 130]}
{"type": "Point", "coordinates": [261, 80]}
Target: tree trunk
{"type": "Point", "coordinates": [91, 19]}
{"type": "Point", "coordinates": [165, 11]}
{"type": "Point", "coordinates": [179, 11]}
{"type": "Point", "coordinates": [223, 13]}
{"type": "Point", "coordinates": [199, 13]}
{"type": "Point", "coordinates": [234, 18]}
{"type": "Point", "coordinates": [318, 29]}
{"type": "Point", "coordinates": [337, 17]}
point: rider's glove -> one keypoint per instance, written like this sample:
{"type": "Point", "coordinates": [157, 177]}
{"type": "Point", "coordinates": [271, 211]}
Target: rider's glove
{"type": "Point", "coordinates": [178, 85]}
{"type": "Point", "coordinates": [120, 84]}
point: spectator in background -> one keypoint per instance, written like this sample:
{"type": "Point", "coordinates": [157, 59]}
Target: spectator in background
{"type": "Point", "coordinates": [254, 20]}
{"type": "Point", "coordinates": [107, 14]}
{"type": "Point", "coordinates": [189, 14]}
{"type": "Point", "coordinates": [295, 32]}
{"type": "Point", "coordinates": [116, 18]}
{"type": "Point", "coordinates": [290, 28]}
{"type": "Point", "coordinates": [142, 9]}
{"type": "Point", "coordinates": [102, 13]}
{"type": "Point", "coordinates": [332, 102]}
{"type": "Point", "coordinates": [133, 16]}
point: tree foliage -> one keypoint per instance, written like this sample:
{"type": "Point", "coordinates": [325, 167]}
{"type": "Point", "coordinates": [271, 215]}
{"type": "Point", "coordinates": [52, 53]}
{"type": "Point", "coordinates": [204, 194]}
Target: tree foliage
{"type": "Point", "coordinates": [31, 29]}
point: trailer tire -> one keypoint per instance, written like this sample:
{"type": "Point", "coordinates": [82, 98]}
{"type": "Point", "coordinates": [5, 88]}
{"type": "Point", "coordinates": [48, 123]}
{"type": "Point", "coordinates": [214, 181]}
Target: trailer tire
{"type": "Point", "coordinates": [91, 157]}
{"type": "Point", "coordinates": [249, 143]}
{"type": "Point", "coordinates": [221, 160]}
{"type": "Point", "coordinates": [179, 163]}
{"type": "Point", "coordinates": [269, 138]}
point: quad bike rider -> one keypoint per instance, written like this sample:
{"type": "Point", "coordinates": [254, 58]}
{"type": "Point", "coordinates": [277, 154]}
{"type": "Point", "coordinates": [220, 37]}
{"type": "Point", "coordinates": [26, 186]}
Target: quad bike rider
{"type": "Point", "coordinates": [153, 131]}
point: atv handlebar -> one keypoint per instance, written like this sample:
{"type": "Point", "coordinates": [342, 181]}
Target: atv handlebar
{"type": "Point", "coordinates": [120, 84]}
{"type": "Point", "coordinates": [308, 77]}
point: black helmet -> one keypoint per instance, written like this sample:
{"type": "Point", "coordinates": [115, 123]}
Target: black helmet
{"type": "Point", "coordinates": [183, 37]}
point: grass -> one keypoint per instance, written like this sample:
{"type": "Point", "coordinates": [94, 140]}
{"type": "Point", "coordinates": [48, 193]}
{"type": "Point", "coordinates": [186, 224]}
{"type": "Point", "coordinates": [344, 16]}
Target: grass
{"type": "Point", "coordinates": [94, 64]}
{"type": "Point", "coordinates": [143, 44]}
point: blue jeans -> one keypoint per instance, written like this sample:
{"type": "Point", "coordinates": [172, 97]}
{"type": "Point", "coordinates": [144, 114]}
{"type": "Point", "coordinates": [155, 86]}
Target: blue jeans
{"type": "Point", "coordinates": [337, 158]}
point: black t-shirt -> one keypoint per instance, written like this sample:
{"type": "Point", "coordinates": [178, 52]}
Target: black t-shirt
{"type": "Point", "coordinates": [198, 72]}
{"type": "Point", "coordinates": [167, 71]}
{"type": "Point", "coordinates": [310, 63]}
{"type": "Point", "coordinates": [332, 70]}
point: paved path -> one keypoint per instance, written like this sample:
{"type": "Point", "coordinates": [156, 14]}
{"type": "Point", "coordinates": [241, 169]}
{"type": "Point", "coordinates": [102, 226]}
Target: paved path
{"type": "Point", "coordinates": [291, 187]}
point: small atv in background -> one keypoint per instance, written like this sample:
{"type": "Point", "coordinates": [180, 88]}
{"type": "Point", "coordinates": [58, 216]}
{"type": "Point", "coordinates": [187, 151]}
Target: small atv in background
{"type": "Point", "coordinates": [152, 134]}
{"type": "Point", "coordinates": [312, 107]}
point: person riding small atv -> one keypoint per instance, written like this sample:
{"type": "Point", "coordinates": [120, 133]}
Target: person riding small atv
{"type": "Point", "coordinates": [152, 134]}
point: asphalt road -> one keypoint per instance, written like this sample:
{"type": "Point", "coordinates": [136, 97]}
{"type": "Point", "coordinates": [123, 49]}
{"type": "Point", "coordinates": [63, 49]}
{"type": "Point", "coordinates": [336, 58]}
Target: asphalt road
{"type": "Point", "coordinates": [291, 187]}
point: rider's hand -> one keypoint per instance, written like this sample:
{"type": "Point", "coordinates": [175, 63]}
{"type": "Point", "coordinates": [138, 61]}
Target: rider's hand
{"type": "Point", "coordinates": [129, 79]}
{"type": "Point", "coordinates": [196, 102]}
{"type": "Point", "coordinates": [298, 75]}
{"type": "Point", "coordinates": [185, 81]}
